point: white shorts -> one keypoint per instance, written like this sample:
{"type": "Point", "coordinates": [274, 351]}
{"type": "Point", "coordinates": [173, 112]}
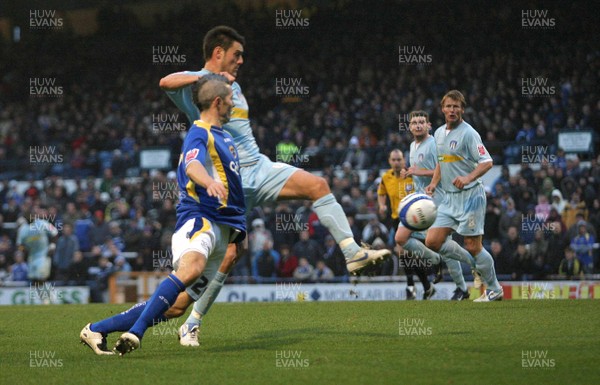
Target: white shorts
{"type": "Point", "coordinates": [209, 239]}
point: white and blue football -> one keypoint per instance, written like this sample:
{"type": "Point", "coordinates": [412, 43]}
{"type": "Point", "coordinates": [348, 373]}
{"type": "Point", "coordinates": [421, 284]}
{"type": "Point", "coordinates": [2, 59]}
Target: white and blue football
{"type": "Point", "coordinates": [417, 212]}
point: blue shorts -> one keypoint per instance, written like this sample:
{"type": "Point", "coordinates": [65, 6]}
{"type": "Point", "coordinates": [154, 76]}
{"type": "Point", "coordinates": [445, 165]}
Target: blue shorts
{"type": "Point", "coordinates": [463, 211]}
{"type": "Point", "coordinates": [263, 181]}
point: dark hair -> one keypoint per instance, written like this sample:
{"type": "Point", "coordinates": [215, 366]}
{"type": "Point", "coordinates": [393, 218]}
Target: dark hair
{"type": "Point", "coordinates": [418, 113]}
{"type": "Point", "coordinates": [221, 36]}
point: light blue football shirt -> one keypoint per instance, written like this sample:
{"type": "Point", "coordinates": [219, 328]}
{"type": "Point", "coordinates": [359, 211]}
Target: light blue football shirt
{"type": "Point", "coordinates": [459, 151]}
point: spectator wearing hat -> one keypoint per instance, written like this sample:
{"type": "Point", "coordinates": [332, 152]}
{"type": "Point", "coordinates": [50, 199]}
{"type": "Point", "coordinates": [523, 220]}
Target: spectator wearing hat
{"type": "Point", "coordinates": [557, 201]}
{"type": "Point", "coordinates": [258, 236]}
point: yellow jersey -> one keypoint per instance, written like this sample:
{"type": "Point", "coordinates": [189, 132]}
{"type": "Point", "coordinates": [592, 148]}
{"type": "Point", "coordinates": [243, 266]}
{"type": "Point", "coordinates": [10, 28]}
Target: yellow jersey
{"type": "Point", "coordinates": [396, 188]}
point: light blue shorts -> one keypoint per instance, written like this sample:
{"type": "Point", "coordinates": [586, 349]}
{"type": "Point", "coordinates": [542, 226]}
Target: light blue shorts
{"type": "Point", "coordinates": [463, 211]}
{"type": "Point", "coordinates": [263, 181]}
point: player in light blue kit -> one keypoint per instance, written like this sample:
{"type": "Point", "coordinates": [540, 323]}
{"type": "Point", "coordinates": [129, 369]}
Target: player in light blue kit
{"type": "Point", "coordinates": [423, 160]}
{"type": "Point", "coordinates": [34, 238]}
{"type": "Point", "coordinates": [263, 180]}
{"type": "Point", "coordinates": [210, 217]}
{"type": "Point", "coordinates": [462, 160]}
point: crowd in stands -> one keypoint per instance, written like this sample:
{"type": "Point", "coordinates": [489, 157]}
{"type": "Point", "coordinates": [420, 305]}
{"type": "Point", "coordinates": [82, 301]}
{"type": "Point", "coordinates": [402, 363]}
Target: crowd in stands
{"type": "Point", "coordinates": [541, 221]}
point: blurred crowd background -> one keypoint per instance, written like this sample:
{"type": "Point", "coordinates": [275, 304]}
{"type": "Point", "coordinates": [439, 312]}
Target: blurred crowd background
{"type": "Point", "coordinates": [112, 214]}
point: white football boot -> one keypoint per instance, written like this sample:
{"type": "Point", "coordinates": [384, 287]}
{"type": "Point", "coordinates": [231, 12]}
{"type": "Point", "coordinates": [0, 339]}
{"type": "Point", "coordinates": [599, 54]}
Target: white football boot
{"type": "Point", "coordinates": [188, 335]}
{"type": "Point", "coordinates": [96, 341]}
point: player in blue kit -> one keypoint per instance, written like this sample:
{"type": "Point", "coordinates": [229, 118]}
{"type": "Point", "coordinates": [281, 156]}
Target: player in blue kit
{"type": "Point", "coordinates": [210, 216]}
{"type": "Point", "coordinates": [263, 180]}
{"type": "Point", "coordinates": [462, 160]}
{"type": "Point", "coordinates": [423, 160]}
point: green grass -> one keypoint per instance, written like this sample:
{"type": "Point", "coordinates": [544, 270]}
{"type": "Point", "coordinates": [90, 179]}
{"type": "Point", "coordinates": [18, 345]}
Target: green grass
{"type": "Point", "coordinates": [338, 343]}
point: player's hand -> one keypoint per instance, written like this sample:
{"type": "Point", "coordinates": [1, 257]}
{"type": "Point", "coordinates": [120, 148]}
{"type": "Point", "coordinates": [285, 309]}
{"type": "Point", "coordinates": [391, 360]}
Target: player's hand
{"type": "Point", "coordinates": [411, 170]}
{"type": "Point", "coordinates": [430, 189]}
{"type": "Point", "coordinates": [382, 210]}
{"type": "Point", "coordinates": [461, 181]}
{"type": "Point", "coordinates": [403, 173]}
{"type": "Point", "coordinates": [216, 189]}
{"type": "Point", "coordinates": [229, 76]}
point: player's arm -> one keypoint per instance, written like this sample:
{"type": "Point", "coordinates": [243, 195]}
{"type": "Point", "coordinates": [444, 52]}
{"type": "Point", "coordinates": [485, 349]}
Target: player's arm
{"type": "Point", "coordinates": [414, 170]}
{"type": "Point", "coordinates": [480, 170]}
{"type": "Point", "coordinates": [382, 198]}
{"type": "Point", "coordinates": [177, 80]}
{"type": "Point", "coordinates": [198, 174]}
{"type": "Point", "coordinates": [477, 152]}
{"type": "Point", "coordinates": [382, 202]}
{"type": "Point", "coordinates": [435, 180]}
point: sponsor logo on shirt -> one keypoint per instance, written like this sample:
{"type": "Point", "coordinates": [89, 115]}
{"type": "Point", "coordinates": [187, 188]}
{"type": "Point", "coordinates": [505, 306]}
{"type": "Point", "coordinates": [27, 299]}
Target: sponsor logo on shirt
{"type": "Point", "coordinates": [191, 155]}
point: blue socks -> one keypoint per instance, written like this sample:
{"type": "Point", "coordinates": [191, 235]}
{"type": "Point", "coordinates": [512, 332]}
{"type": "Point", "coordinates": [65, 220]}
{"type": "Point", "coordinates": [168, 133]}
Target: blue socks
{"type": "Point", "coordinates": [162, 299]}
{"type": "Point", "coordinates": [123, 321]}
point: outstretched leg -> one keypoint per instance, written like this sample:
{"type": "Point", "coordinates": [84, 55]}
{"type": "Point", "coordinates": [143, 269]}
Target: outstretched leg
{"type": "Point", "coordinates": [304, 185]}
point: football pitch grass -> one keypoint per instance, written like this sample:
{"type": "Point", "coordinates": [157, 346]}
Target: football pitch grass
{"type": "Point", "coordinates": [434, 342]}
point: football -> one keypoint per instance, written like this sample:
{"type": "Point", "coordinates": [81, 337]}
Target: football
{"type": "Point", "coordinates": [417, 212]}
